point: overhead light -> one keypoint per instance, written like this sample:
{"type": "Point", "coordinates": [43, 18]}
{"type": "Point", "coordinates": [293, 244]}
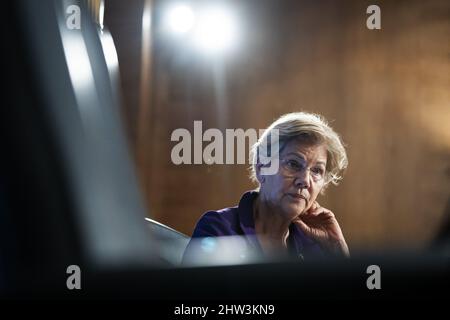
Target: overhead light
{"type": "Point", "coordinates": [216, 30]}
{"type": "Point", "coordinates": [181, 18]}
{"type": "Point", "coordinates": [210, 29]}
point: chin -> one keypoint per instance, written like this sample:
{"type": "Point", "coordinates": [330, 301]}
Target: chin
{"type": "Point", "coordinates": [293, 211]}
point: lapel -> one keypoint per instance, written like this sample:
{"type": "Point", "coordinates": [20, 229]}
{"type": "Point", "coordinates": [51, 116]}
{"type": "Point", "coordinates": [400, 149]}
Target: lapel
{"type": "Point", "coordinates": [246, 221]}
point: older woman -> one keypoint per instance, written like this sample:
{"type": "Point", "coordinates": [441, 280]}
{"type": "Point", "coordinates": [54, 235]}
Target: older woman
{"type": "Point", "coordinates": [282, 215]}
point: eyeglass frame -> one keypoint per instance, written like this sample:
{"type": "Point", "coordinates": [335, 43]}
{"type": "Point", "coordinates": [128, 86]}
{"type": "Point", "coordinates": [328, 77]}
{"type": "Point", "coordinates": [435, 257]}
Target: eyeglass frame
{"type": "Point", "coordinates": [283, 162]}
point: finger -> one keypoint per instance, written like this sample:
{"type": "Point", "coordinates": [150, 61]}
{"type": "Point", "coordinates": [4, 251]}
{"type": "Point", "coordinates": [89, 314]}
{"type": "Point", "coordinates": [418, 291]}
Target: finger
{"type": "Point", "coordinates": [314, 206]}
{"type": "Point", "coordinates": [315, 211]}
{"type": "Point", "coordinates": [326, 216]}
{"type": "Point", "coordinates": [303, 226]}
{"type": "Point", "coordinates": [321, 211]}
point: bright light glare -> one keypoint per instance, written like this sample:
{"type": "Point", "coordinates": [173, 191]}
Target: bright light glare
{"type": "Point", "coordinates": [216, 30]}
{"type": "Point", "coordinates": [181, 19]}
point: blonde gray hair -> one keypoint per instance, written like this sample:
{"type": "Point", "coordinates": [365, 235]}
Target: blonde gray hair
{"type": "Point", "coordinates": [312, 129]}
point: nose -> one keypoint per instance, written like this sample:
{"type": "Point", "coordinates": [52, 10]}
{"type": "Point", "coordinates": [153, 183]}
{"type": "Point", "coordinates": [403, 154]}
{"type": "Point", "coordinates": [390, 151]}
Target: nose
{"type": "Point", "coordinates": [303, 180]}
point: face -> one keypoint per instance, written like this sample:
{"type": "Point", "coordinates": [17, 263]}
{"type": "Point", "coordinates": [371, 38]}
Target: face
{"type": "Point", "coordinates": [300, 178]}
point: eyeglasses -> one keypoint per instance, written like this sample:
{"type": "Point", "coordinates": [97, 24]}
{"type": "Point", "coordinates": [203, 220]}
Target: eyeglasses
{"type": "Point", "coordinates": [293, 166]}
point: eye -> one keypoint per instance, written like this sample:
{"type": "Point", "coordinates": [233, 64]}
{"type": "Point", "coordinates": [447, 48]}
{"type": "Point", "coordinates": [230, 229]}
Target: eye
{"type": "Point", "coordinates": [318, 171]}
{"type": "Point", "coordinates": [294, 164]}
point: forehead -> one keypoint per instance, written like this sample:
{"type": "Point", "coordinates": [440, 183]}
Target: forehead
{"type": "Point", "coordinates": [312, 152]}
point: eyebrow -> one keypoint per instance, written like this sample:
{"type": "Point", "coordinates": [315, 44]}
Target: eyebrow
{"type": "Point", "coordinates": [303, 157]}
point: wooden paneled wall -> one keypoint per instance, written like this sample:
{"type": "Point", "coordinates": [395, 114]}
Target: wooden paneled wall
{"type": "Point", "coordinates": [386, 92]}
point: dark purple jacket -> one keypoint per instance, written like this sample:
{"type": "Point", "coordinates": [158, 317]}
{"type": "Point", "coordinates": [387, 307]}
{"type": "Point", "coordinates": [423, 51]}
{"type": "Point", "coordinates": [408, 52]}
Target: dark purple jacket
{"type": "Point", "coordinates": [239, 221]}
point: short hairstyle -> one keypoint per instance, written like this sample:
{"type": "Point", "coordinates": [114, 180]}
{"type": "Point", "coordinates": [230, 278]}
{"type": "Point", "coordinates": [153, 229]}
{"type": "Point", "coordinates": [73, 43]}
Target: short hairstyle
{"type": "Point", "coordinates": [312, 129]}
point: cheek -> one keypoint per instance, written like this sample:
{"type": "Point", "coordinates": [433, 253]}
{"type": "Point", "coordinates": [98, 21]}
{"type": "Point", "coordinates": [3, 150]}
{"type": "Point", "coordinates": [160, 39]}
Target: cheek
{"type": "Point", "coordinates": [277, 187]}
{"type": "Point", "coordinates": [284, 185]}
{"type": "Point", "coordinates": [315, 192]}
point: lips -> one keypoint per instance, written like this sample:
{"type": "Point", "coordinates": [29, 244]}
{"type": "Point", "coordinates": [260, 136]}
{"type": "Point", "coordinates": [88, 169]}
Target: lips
{"type": "Point", "coordinates": [298, 196]}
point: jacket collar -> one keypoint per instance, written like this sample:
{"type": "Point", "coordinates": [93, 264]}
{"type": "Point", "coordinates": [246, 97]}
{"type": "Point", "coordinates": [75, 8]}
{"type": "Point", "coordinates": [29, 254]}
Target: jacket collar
{"type": "Point", "coordinates": [246, 221]}
{"type": "Point", "coordinates": [297, 240]}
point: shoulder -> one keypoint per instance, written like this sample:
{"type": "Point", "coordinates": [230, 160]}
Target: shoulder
{"type": "Point", "coordinates": [218, 223]}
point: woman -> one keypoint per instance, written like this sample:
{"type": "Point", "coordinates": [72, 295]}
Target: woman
{"type": "Point", "coordinates": [282, 215]}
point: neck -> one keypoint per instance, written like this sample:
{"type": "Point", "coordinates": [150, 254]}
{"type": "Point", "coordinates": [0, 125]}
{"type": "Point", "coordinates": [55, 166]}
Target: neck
{"type": "Point", "coordinates": [270, 222]}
